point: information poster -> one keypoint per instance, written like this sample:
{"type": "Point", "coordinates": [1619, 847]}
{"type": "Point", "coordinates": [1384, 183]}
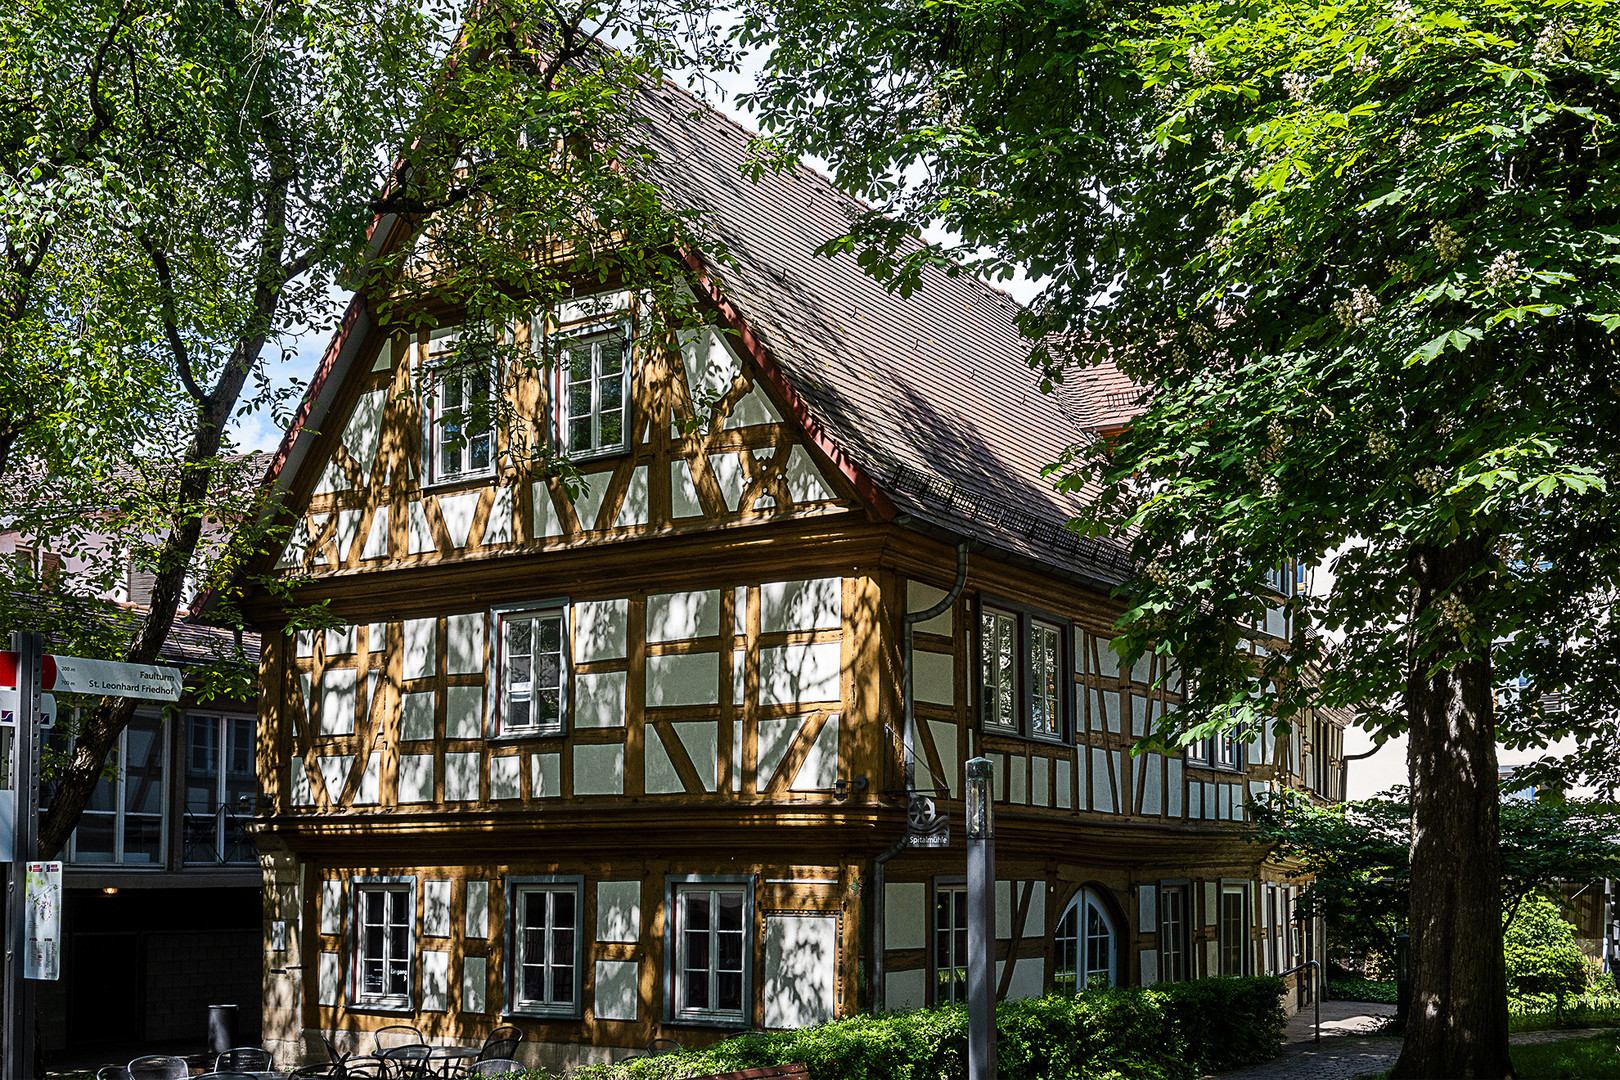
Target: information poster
{"type": "Point", "coordinates": [43, 958]}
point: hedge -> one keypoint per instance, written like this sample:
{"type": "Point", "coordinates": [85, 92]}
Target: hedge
{"type": "Point", "coordinates": [1173, 1031]}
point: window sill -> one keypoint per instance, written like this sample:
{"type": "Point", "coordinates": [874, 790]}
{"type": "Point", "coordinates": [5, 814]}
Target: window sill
{"type": "Point", "coordinates": [382, 1007]}
{"type": "Point", "coordinates": [508, 738]}
{"type": "Point", "coordinates": [445, 483]}
{"type": "Point", "coordinates": [570, 1013]}
{"type": "Point", "coordinates": [597, 455]}
{"type": "Point", "coordinates": [728, 1023]}
{"type": "Point", "coordinates": [1015, 735]}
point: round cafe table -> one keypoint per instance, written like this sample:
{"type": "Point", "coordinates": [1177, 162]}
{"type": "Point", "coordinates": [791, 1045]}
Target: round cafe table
{"type": "Point", "coordinates": [402, 1057]}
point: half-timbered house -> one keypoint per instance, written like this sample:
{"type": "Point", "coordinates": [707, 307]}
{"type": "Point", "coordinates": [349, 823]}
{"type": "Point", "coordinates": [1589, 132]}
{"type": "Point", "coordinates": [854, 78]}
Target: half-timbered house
{"type": "Point", "coordinates": [636, 761]}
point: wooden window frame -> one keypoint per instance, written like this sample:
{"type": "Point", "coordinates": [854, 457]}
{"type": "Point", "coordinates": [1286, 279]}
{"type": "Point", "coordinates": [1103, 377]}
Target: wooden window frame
{"type": "Point", "coordinates": [497, 727]}
{"type": "Point", "coordinates": [1024, 620]}
{"type": "Point", "coordinates": [517, 888]}
{"type": "Point", "coordinates": [677, 886]}
{"type": "Point", "coordinates": [359, 888]}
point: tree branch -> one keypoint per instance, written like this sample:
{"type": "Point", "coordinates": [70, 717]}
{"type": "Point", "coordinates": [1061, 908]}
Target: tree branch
{"type": "Point", "coordinates": [171, 328]}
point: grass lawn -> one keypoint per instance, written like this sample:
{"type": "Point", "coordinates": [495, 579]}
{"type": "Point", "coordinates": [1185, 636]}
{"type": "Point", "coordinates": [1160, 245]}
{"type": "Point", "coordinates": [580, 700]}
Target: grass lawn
{"type": "Point", "coordinates": [1569, 1018]}
{"type": "Point", "coordinates": [1596, 1058]}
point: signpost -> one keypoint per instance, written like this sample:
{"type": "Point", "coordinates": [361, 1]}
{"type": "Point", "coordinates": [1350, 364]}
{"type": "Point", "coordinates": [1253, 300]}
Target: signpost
{"type": "Point", "coordinates": [34, 889]}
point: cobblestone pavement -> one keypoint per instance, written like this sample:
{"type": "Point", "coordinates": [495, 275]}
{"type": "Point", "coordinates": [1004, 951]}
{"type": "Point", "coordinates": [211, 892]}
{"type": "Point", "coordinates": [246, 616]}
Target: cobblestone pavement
{"type": "Point", "coordinates": [1348, 1047]}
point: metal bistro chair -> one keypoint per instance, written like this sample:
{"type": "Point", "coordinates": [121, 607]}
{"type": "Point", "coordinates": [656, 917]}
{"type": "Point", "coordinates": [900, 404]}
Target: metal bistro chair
{"type": "Point", "coordinates": [413, 1061]}
{"type": "Point", "coordinates": [494, 1067]}
{"type": "Point", "coordinates": [501, 1044]}
{"type": "Point", "coordinates": [394, 1036]}
{"type": "Point", "coordinates": [318, 1071]}
{"type": "Point", "coordinates": [341, 1065]}
{"type": "Point", "coordinates": [112, 1072]}
{"type": "Point", "coordinates": [229, 1074]}
{"type": "Point", "coordinates": [244, 1059]}
{"type": "Point", "coordinates": [159, 1067]}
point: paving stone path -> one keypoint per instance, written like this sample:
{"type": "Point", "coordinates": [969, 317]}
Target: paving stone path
{"type": "Point", "coordinates": [1348, 1047]}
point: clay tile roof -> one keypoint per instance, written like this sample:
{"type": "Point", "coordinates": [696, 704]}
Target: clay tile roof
{"type": "Point", "coordinates": [931, 394]}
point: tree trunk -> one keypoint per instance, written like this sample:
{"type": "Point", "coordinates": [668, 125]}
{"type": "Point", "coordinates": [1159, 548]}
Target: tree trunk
{"type": "Point", "coordinates": [1458, 1022]}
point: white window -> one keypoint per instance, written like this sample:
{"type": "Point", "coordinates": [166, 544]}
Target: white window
{"type": "Point", "coordinates": [593, 391]}
{"type": "Point", "coordinates": [220, 787]}
{"type": "Point", "coordinates": [460, 408]}
{"type": "Point", "coordinates": [546, 950]}
{"type": "Point", "coordinates": [1224, 751]}
{"type": "Point", "coordinates": [1046, 680]}
{"type": "Point", "coordinates": [998, 668]}
{"type": "Point", "coordinates": [950, 944]}
{"type": "Point", "coordinates": [1233, 918]}
{"type": "Point", "coordinates": [712, 945]}
{"type": "Point", "coordinates": [123, 822]}
{"type": "Point", "coordinates": [533, 671]}
{"type": "Point", "coordinates": [384, 943]}
{"type": "Point", "coordinates": [1173, 933]}
{"type": "Point", "coordinates": [1085, 946]}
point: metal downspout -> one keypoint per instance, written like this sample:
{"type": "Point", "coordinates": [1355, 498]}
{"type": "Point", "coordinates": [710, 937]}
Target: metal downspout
{"type": "Point", "coordinates": [908, 760]}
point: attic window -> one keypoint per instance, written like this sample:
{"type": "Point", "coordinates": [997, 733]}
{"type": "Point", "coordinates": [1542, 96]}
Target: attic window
{"type": "Point", "coordinates": [460, 408]}
{"type": "Point", "coordinates": [592, 391]}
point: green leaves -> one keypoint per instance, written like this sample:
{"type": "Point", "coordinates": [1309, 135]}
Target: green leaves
{"type": "Point", "coordinates": [1392, 229]}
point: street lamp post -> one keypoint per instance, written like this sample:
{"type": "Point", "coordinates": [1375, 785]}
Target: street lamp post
{"type": "Point", "coordinates": [981, 922]}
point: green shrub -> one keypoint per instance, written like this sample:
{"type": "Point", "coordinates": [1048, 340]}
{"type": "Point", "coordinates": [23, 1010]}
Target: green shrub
{"type": "Point", "coordinates": [1544, 965]}
{"type": "Point", "coordinates": [1225, 1023]}
{"type": "Point", "coordinates": [1361, 990]}
{"type": "Point", "coordinates": [1173, 1031]}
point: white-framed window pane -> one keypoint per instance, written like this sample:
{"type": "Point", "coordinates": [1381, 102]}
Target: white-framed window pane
{"type": "Point", "coordinates": [1084, 947]}
{"type": "Point", "coordinates": [695, 927]}
{"type": "Point", "coordinates": [1045, 695]}
{"type": "Point", "coordinates": [384, 944]}
{"type": "Point", "coordinates": [1066, 953]}
{"type": "Point", "coordinates": [463, 420]}
{"type": "Point", "coordinates": [1099, 948]}
{"type": "Point", "coordinates": [532, 671]}
{"type": "Point", "coordinates": [728, 951]}
{"type": "Point", "coordinates": [593, 416]}
{"type": "Point", "coordinates": [998, 668]}
{"type": "Point", "coordinates": [950, 945]}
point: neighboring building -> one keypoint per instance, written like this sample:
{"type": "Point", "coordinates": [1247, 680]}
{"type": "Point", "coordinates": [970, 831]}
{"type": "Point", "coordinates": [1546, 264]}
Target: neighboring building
{"type": "Point", "coordinates": [1591, 907]}
{"type": "Point", "coordinates": [635, 763]}
{"type": "Point", "coordinates": [162, 909]}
